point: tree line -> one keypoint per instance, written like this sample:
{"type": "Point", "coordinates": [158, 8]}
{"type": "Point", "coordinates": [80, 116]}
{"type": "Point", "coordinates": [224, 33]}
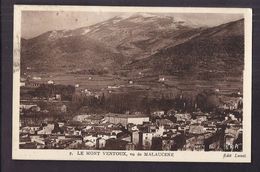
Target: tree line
{"type": "Point", "coordinates": [50, 90]}
{"type": "Point", "coordinates": [122, 102]}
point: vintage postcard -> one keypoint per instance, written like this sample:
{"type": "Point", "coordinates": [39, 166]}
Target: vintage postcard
{"type": "Point", "coordinates": [132, 84]}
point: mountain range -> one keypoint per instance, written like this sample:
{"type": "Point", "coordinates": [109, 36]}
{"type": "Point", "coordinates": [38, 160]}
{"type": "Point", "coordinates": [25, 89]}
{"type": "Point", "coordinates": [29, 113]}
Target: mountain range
{"type": "Point", "coordinates": [147, 43]}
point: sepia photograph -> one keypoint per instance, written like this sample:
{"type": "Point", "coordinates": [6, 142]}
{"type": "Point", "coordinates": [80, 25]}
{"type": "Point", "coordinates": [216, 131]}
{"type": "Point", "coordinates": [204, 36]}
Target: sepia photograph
{"type": "Point", "coordinates": [132, 83]}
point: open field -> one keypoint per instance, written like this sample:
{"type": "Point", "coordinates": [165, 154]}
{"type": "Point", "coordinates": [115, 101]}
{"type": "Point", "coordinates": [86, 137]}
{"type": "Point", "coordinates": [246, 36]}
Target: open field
{"type": "Point", "coordinates": [143, 85]}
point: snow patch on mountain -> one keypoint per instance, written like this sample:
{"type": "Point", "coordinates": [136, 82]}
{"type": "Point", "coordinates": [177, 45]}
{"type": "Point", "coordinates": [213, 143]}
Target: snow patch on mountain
{"type": "Point", "coordinates": [53, 35]}
{"type": "Point", "coordinates": [116, 21]}
{"type": "Point", "coordinates": [85, 31]}
{"type": "Point", "coordinates": [187, 22]}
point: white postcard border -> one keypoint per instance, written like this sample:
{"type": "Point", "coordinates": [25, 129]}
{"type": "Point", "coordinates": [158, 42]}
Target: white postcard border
{"type": "Point", "coordinates": [100, 155]}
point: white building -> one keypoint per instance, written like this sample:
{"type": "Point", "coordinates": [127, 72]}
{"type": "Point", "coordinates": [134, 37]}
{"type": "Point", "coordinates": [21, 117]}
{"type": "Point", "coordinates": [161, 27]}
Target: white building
{"type": "Point", "coordinates": [161, 79]}
{"type": "Point", "coordinates": [30, 129]}
{"type": "Point", "coordinates": [183, 116]}
{"type": "Point", "coordinates": [36, 78]}
{"type": "Point", "coordinates": [46, 129]}
{"type": "Point", "coordinates": [147, 140]}
{"type": "Point", "coordinates": [101, 143]}
{"type": "Point", "coordinates": [158, 113]}
{"type": "Point", "coordinates": [37, 139]}
{"type": "Point", "coordinates": [87, 92]}
{"type": "Point", "coordinates": [91, 138]}
{"type": "Point", "coordinates": [196, 129]}
{"type": "Point", "coordinates": [50, 82]}
{"type": "Point", "coordinates": [90, 144]}
{"type": "Point", "coordinates": [126, 119]}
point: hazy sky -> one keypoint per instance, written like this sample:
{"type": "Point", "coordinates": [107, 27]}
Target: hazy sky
{"type": "Point", "coordinates": [37, 22]}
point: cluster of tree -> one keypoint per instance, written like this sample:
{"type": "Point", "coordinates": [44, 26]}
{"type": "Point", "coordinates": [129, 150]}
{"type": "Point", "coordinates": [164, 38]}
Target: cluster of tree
{"type": "Point", "coordinates": [120, 103]}
{"type": "Point", "coordinates": [91, 71]}
{"type": "Point", "coordinates": [207, 100]}
{"type": "Point", "coordinates": [50, 90]}
{"type": "Point", "coordinates": [57, 129]}
{"type": "Point", "coordinates": [36, 119]}
{"type": "Point", "coordinates": [177, 143]}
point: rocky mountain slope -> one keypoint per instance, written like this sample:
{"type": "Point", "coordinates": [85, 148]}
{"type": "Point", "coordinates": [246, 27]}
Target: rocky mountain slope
{"type": "Point", "coordinates": [143, 42]}
{"type": "Point", "coordinates": [213, 53]}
